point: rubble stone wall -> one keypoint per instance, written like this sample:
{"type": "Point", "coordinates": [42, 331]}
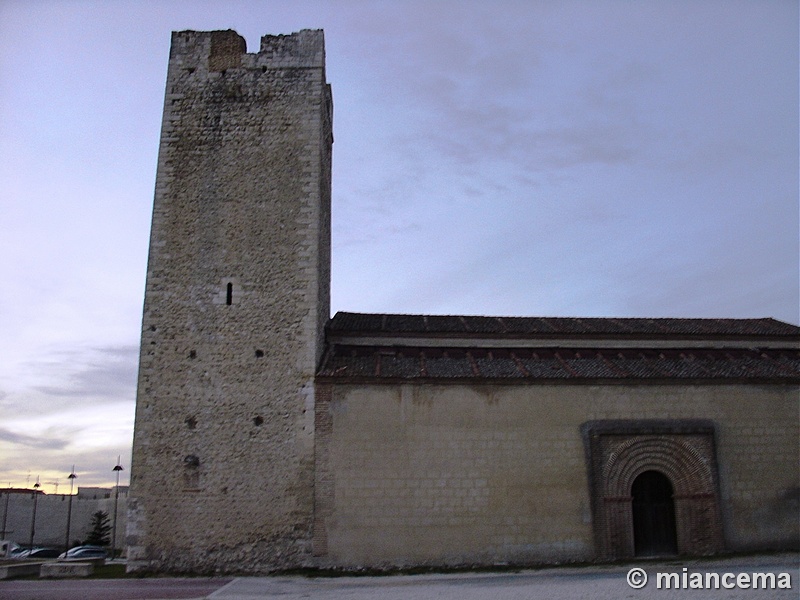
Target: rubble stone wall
{"type": "Point", "coordinates": [236, 300]}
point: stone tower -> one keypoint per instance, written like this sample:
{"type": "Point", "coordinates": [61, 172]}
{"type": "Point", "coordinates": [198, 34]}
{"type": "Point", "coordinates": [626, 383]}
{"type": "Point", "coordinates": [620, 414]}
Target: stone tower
{"type": "Point", "coordinates": [236, 301]}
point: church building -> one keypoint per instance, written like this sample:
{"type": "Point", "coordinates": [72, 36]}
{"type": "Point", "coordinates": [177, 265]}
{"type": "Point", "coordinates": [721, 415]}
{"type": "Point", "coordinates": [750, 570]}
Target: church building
{"type": "Point", "coordinates": [270, 436]}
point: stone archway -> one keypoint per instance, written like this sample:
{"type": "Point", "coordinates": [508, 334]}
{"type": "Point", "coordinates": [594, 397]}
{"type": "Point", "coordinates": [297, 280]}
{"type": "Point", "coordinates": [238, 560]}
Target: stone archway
{"type": "Point", "coordinates": [683, 451]}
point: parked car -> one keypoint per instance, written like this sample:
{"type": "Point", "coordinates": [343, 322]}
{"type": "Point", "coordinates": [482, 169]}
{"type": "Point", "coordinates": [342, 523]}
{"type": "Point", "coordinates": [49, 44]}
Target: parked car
{"type": "Point", "coordinates": [85, 552]}
{"type": "Point", "coordinates": [38, 552]}
{"type": "Point", "coordinates": [44, 553]}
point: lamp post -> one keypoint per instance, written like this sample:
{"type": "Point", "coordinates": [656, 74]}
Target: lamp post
{"type": "Point", "coordinates": [116, 469]}
{"type": "Point", "coordinates": [33, 517]}
{"type": "Point", "coordinates": [71, 478]}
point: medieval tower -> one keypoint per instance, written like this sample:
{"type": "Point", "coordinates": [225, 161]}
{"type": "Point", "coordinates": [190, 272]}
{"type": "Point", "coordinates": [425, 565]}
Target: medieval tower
{"type": "Point", "coordinates": [236, 301]}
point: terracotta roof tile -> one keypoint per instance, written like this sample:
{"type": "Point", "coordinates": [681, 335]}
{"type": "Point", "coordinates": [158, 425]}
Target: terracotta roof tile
{"type": "Point", "coordinates": [394, 324]}
{"type": "Point", "coordinates": [389, 347]}
{"type": "Point", "coordinates": [591, 364]}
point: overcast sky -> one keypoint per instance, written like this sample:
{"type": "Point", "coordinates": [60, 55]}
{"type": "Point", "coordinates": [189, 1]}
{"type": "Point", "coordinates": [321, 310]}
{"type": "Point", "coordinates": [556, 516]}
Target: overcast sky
{"type": "Point", "coordinates": [552, 158]}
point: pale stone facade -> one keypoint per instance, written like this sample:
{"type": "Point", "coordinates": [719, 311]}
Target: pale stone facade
{"type": "Point", "coordinates": [483, 440]}
{"type": "Point", "coordinates": [454, 474]}
{"type": "Point", "coordinates": [269, 437]}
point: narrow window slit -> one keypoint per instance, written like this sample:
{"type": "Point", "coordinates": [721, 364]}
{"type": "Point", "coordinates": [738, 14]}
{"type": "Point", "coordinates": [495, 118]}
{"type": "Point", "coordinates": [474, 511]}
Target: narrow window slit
{"type": "Point", "coordinates": [229, 295]}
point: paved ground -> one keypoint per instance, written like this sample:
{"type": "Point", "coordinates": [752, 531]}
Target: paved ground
{"type": "Point", "coordinates": [573, 583]}
{"type": "Point", "coordinates": [595, 583]}
{"type": "Point", "coordinates": [167, 588]}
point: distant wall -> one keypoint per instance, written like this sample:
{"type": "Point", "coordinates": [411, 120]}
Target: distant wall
{"type": "Point", "coordinates": [51, 517]}
{"type": "Point", "coordinates": [415, 474]}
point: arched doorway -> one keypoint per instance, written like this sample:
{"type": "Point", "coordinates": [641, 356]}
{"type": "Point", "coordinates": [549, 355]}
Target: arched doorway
{"type": "Point", "coordinates": [654, 531]}
{"type": "Point", "coordinates": [682, 451]}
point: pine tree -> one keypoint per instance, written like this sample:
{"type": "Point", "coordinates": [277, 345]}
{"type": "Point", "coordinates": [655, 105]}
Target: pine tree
{"type": "Point", "coordinates": [100, 529]}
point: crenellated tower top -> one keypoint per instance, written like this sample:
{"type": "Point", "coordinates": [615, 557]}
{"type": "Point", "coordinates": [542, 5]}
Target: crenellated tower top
{"type": "Point", "coordinates": [225, 49]}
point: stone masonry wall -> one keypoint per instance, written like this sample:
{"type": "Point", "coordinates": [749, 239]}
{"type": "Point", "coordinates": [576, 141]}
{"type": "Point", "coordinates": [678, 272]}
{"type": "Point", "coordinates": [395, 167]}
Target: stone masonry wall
{"type": "Point", "coordinates": [453, 474]}
{"type": "Point", "coordinates": [236, 299]}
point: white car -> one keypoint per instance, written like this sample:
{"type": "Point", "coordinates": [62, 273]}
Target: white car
{"type": "Point", "coordinates": [85, 552]}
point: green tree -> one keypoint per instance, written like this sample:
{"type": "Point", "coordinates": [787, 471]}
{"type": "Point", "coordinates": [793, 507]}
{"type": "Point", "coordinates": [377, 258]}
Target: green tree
{"type": "Point", "coordinates": [100, 529]}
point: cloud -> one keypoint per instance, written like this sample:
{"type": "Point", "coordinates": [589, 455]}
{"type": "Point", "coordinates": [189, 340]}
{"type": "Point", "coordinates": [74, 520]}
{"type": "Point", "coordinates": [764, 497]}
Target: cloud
{"type": "Point", "coordinates": [601, 154]}
{"type": "Point", "coordinates": [87, 436]}
{"type": "Point", "coordinates": [108, 372]}
{"type": "Point", "coordinates": [32, 441]}
{"type": "Point", "coordinates": [88, 393]}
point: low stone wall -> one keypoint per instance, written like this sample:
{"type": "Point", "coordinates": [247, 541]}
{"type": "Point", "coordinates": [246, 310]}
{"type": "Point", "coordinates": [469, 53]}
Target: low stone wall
{"type": "Point", "coordinates": [66, 569]}
{"type": "Point", "coordinates": [11, 570]}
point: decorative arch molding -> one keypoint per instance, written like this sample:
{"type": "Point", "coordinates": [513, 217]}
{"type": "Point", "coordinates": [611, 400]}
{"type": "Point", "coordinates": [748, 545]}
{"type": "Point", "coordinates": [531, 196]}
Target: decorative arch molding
{"type": "Point", "coordinates": [617, 452]}
{"type": "Point", "coordinates": [678, 459]}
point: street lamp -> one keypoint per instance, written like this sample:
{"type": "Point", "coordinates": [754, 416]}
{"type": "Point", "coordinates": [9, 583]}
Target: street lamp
{"type": "Point", "coordinates": [33, 517]}
{"type": "Point", "coordinates": [71, 478]}
{"type": "Point", "coordinates": [116, 469]}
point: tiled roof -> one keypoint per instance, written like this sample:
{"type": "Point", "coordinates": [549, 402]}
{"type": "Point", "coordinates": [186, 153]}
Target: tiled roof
{"type": "Point", "coordinates": [394, 324]}
{"type": "Point", "coordinates": [559, 364]}
{"type": "Point", "coordinates": [424, 347]}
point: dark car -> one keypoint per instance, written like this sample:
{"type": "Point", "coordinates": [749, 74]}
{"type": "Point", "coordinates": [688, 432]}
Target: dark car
{"type": "Point", "coordinates": [39, 552]}
{"type": "Point", "coordinates": [85, 552]}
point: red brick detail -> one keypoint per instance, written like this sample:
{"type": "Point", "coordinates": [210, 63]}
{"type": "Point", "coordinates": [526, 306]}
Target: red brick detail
{"type": "Point", "coordinates": [227, 48]}
{"type": "Point", "coordinates": [323, 476]}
